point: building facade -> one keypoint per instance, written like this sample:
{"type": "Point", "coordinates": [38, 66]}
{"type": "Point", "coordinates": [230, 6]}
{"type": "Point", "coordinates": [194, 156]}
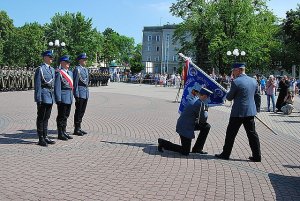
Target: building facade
{"type": "Point", "coordinates": [159, 53]}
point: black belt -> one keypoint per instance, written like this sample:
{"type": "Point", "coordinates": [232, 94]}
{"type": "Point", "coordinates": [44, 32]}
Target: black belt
{"type": "Point", "coordinates": [47, 87]}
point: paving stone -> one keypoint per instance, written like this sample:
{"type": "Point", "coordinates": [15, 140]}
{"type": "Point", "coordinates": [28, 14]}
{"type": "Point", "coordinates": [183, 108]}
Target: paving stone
{"type": "Point", "coordinates": [118, 159]}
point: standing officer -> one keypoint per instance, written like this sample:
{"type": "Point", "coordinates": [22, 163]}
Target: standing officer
{"type": "Point", "coordinates": [242, 91]}
{"type": "Point", "coordinates": [63, 90]}
{"type": "Point", "coordinates": [192, 118]}
{"type": "Point", "coordinates": [81, 92]}
{"type": "Point", "coordinates": [43, 95]}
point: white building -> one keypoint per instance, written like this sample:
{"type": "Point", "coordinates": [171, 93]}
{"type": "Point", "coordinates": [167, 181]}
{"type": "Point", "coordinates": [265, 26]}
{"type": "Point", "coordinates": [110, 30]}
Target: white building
{"type": "Point", "coordinates": [159, 53]}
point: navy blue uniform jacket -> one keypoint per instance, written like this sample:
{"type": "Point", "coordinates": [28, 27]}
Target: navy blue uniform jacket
{"type": "Point", "coordinates": [62, 89]}
{"type": "Point", "coordinates": [242, 92]}
{"type": "Point", "coordinates": [44, 84]}
{"type": "Point", "coordinates": [81, 82]}
{"type": "Point", "coordinates": [186, 122]}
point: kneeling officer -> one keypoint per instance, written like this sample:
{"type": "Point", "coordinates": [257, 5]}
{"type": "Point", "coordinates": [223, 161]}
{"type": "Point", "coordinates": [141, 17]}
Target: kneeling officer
{"type": "Point", "coordinates": [193, 117]}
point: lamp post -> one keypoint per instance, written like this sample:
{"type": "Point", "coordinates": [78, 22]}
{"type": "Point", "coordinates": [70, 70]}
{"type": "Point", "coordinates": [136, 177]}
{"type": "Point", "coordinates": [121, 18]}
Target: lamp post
{"type": "Point", "coordinates": [59, 46]}
{"type": "Point", "coordinates": [236, 52]}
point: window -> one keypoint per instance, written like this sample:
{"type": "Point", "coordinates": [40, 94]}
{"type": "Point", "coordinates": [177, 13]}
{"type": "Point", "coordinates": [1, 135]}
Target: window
{"type": "Point", "coordinates": [166, 58]}
{"type": "Point", "coordinates": [156, 58]}
{"type": "Point", "coordinates": [149, 38]}
{"type": "Point", "coordinates": [157, 48]}
{"type": "Point", "coordinates": [157, 38]}
{"type": "Point", "coordinates": [149, 58]}
{"type": "Point", "coordinates": [149, 48]}
{"type": "Point", "coordinates": [175, 58]}
{"type": "Point", "coordinates": [168, 37]}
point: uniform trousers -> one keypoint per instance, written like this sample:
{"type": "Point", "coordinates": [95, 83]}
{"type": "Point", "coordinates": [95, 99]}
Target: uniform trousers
{"type": "Point", "coordinates": [43, 115]}
{"type": "Point", "coordinates": [63, 112]}
{"type": "Point", "coordinates": [232, 130]}
{"type": "Point", "coordinates": [185, 146]}
{"type": "Point", "coordinates": [80, 106]}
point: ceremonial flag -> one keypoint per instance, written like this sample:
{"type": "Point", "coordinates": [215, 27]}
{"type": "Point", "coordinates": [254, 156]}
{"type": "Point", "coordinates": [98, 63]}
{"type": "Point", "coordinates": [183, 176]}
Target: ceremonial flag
{"type": "Point", "coordinates": [197, 77]}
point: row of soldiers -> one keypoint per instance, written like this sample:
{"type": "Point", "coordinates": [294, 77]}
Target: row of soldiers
{"type": "Point", "coordinates": [99, 77]}
{"type": "Point", "coordinates": [22, 79]}
{"type": "Point", "coordinates": [12, 79]}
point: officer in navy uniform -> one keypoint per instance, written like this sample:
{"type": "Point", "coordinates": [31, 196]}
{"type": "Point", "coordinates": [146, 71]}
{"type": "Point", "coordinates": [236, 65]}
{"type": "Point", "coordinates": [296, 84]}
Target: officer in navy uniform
{"type": "Point", "coordinates": [243, 110]}
{"type": "Point", "coordinates": [193, 117]}
{"type": "Point", "coordinates": [44, 97]}
{"type": "Point", "coordinates": [81, 92]}
{"type": "Point", "coordinates": [63, 90]}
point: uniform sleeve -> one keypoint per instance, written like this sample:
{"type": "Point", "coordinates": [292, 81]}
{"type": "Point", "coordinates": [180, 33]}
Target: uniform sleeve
{"type": "Point", "coordinates": [37, 85]}
{"type": "Point", "coordinates": [75, 83]}
{"type": "Point", "coordinates": [233, 90]}
{"type": "Point", "coordinates": [57, 87]}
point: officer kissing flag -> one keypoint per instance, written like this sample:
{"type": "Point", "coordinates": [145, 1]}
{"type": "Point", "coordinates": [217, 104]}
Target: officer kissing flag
{"type": "Point", "coordinates": [195, 77]}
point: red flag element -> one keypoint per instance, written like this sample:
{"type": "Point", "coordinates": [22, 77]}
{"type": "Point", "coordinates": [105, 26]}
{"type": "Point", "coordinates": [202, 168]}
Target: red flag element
{"type": "Point", "coordinates": [185, 70]}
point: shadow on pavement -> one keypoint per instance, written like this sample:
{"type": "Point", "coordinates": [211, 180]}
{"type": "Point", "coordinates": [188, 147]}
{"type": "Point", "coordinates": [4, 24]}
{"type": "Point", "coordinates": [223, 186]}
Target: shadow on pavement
{"type": "Point", "coordinates": [22, 137]}
{"type": "Point", "coordinates": [285, 187]}
{"type": "Point", "coordinates": [151, 149]}
{"type": "Point", "coordinates": [291, 121]}
{"type": "Point", "coordinates": [134, 144]}
{"type": "Point", "coordinates": [292, 166]}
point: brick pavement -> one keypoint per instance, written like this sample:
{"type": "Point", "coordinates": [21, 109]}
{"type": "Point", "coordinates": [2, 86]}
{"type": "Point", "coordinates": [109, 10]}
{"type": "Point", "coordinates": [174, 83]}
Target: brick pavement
{"type": "Point", "coordinates": [118, 160]}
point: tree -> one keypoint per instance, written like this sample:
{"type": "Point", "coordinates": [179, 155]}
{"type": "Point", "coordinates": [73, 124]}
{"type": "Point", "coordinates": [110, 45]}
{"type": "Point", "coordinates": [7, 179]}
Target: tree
{"type": "Point", "coordinates": [136, 60]}
{"type": "Point", "coordinates": [221, 25]}
{"type": "Point", "coordinates": [78, 34]}
{"type": "Point", "coordinates": [25, 45]}
{"type": "Point", "coordinates": [6, 29]}
{"type": "Point", "coordinates": [291, 38]}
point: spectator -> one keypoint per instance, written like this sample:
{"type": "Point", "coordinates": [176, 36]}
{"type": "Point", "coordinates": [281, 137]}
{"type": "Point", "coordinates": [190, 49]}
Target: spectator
{"type": "Point", "coordinates": [270, 91]}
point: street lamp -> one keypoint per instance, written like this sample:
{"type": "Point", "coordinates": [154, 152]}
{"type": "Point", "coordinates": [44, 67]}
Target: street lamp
{"type": "Point", "coordinates": [236, 53]}
{"type": "Point", "coordinates": [59, 47]}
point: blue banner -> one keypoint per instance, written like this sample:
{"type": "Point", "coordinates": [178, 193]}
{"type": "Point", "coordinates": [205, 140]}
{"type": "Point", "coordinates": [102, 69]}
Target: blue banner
{"type": "Point", "coordinates": [197, 77]}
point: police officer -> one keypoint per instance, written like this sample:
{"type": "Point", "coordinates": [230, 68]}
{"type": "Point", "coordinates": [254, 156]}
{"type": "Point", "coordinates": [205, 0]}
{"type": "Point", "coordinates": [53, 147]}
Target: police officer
{"type": "Point", "coordinates": [43, 94]}
{"type": "Point", "coordinates": [243, 110]}
{"type": "Point", "coordinates": [63, 90]}
{"type": "Point", "coordinates": [81, 92]}
{"type": "Point", "coordinates": [192, 118]}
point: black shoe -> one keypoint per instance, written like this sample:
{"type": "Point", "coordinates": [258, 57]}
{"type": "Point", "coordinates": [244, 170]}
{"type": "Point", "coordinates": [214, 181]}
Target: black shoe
{"type": "Point", "coordinates": [62, 137]}
{"type": "Point", "coordinates": [159, 147]}
{"type": "Point", "coordinates": [67, 135]}
{"type": "Point", "coordinates": [84, 133]}
{"type": "Point", "coordinates": [199, 152]}
{"type": "Point", "coordinates": [49, 141]}
{"type": "Point", "coordinates": [251, 158]}
{"type": "Point", "coordinates": [77, 132]}
{"type": "Point", "coordinates": [221, 156]}
{"type": "Point", "coordinates": [42, 143]}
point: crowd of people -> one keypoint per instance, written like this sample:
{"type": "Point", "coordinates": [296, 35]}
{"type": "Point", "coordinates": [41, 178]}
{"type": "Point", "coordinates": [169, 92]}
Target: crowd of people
{"type": "Point", "coordinates": [280, 92]}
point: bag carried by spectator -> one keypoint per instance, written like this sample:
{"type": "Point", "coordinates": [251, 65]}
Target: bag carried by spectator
{"type": "Point", "coordinates": [287, 109]}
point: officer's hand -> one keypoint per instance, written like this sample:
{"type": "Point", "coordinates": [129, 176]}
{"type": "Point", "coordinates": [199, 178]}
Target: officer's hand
{"type": "Point", "coordinates": [39, 103]}
{"type": "Point", "coordinates": [76, 99]}
{"type": "Point", "coordinates": [58, 102]}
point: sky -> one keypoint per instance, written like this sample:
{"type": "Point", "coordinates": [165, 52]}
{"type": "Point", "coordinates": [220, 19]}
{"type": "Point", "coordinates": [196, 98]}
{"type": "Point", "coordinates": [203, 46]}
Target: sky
{"type": "Point", "coordinates": [126, 17]}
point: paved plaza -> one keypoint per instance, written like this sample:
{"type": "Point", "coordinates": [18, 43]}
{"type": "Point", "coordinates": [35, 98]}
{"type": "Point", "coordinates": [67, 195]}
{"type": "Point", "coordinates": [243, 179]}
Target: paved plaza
{"type": "Point", "coordinates": [118, 159]}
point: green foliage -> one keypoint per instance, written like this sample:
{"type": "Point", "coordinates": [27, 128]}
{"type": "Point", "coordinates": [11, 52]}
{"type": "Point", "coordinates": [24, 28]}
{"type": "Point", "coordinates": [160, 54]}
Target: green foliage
{"type": "Point", "coordinates": [136, 60]}
{"type": "Point", "coordinates": [6, 29]}
{"type": "Point", "coordinates": [219, 26]}
{"type": "Point", "coordinates": [25, 45]}
{"type": "Point", "coordinates": [78, 34]}
{"type": "Point", "coordinates": [291, 38]}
